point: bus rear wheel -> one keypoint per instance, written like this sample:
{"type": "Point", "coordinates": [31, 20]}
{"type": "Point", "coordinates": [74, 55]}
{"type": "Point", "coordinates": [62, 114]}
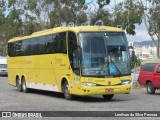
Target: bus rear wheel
{"type": "Point", "coordinates": [24, 87]}
{"type": "Point", "coordinates": [18, 84]}
{"type": "Point", "coordinates": [66, 91]}
{"type": "Point", "coordinates": [108, 97]}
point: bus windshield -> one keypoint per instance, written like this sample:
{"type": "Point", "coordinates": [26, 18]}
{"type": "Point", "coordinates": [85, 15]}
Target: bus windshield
{"type": "Point", "coordinates": [104, 54]}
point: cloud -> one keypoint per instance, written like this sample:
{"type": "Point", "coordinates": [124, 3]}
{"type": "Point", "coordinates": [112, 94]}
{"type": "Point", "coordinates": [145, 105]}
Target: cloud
{"type": "Point", "coordinates": [141, 35]}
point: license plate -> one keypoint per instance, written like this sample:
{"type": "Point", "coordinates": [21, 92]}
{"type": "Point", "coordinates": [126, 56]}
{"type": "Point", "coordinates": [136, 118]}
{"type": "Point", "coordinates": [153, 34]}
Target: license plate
{"type": "Point", "coordinates": [110, 90]}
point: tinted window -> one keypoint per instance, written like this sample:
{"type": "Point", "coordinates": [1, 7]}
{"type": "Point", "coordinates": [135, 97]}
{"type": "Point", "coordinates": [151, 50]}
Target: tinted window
{"type": "Point", "coordinates": [72, 51]}
{"type": "Point", "coordinates": [55, 43]}
{"type": "Point", "coordinates": [50, 44]}
{"type": "Point", "coordinates": [24, 47]}
{"type": "Point", "coordinates": [60, 43]}
{"type": "Point", "coordinates": [18, 47]}
{"type": "Point", "coordinates": [40, 45]}
{"type": "Point", "coordinates": [72, 41]}
{"type": "Point", "coordinates": [11, 49]}
{"type": "Point", "coordinates": [149, 67]}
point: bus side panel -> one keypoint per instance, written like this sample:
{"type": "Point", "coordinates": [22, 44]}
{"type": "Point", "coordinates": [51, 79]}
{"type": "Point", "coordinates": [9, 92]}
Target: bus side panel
{"type": "Point", "coordinates": [36, 69]}
{"type": "Point", "coordinates": [62, 70]}
{"type": "Point", "coordinates": [42, 69]}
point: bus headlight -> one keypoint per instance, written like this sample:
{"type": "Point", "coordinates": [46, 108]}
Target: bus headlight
{"type": "Point", "coordinates": [88, 84]}
{"type": "Point", "coordinates": [124, 82]}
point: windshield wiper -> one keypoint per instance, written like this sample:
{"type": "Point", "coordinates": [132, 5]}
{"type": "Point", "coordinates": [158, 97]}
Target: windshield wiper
{"type": "Point", "coordinates": [101, 69]}
{"type": "Point", "coordinates": [109, 68]}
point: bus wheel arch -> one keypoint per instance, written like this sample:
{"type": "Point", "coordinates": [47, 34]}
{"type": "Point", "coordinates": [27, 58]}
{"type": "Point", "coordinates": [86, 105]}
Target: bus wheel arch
{"type": "Point", "coordinates": [65, 89]}
{"type": "Point", "coordinates": [18, 83]}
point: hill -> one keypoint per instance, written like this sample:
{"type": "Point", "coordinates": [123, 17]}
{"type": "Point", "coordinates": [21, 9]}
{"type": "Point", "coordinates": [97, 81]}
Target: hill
{"type": "Point", "coordinates": [144, 43]}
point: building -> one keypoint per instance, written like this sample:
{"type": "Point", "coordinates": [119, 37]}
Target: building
{"type": "Point", "coordinates": [143, 51]}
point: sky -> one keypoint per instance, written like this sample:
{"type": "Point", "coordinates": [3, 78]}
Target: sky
{"type": "Point", "coordinates": [141, 34]}
{"type": "Point", "coordinates": [141, 31]}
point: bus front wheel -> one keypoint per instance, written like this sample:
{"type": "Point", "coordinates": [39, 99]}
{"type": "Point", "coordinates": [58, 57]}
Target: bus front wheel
{"type": "Point", "coordinates": [24, 87]}
{"type": "Point", "coordinates": [66, 91]}
{"type": "Point", "coordinates": [18, 84]}
{"type": "Point", "coordinates": [108, 97]}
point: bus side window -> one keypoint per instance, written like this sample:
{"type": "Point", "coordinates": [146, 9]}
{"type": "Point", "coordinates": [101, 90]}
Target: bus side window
{"type": "Point", "coordinates": [56, 43]}
{"type": "Point", "coordinates": [50, 43]}
{"type": "Point", "coordinates": [72, 51]}
{"type": "Point", "coordinates": [60, 43]}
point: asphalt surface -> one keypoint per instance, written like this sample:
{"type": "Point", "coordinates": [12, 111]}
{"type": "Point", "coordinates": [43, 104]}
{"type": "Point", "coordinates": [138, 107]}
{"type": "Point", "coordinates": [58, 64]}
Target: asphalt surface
{"type": "Point", "coordinates": [36, 100]}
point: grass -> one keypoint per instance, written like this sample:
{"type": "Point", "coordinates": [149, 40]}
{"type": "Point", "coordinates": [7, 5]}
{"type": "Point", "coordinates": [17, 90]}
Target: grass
{"type": "Point", "coordinates": [154, 60]}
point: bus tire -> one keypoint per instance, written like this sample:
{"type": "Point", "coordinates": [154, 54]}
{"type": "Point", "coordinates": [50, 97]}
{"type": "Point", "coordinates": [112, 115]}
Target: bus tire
{"type": "Point", "coordinates": [24, 87]}
{"type": "Point", "coordinates": [18, 84]}
{"type": "Point", "coordinates": [108, 97]}
{"type": "Point", "coordinates": [150, 88]}
{"type": "Point", "coordinates": [66, 91]}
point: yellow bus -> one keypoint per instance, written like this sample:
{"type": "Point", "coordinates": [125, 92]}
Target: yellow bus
{"type": "Point", "coordinates": [82, 60]}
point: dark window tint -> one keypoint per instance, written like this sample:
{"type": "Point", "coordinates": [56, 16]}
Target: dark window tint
{"type": "Point", "coordinates": [50, 44]}
{"type": "Point", "coordinates": [72, 41]}
{"type": "Point", "coordinates": [149, 67]}
{"type": "Point", "coordinates": [60, 43]}
{"type": "Point", "coordinates": [18, 48]}
{"type": "Point", "coordinates": [55, 43]}
{"type": "Point", "coordinates": [36, 46]}
{"type": "Point", "coordinates": [11, 49]}
{"type": "Point", "coordinates": [72, 51]}
{"type": "Point", "coordinates": [24, 48]}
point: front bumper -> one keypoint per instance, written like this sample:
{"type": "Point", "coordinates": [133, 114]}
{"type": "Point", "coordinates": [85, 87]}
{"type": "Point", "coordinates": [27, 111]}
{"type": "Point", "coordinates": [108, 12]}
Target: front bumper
{"type": "Point", "coordinates": [3, 73]}
{"type": "Point", "coordinates": [103, 90]}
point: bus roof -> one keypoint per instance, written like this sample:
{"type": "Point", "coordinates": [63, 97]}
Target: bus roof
{"type": "Point", "coordinates": [68, 28]}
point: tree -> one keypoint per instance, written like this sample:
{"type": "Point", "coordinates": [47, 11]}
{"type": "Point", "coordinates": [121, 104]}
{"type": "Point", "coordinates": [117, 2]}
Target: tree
{"type": "Point", "coordinates": [37, 14]}
{"type": "Point", "coordinates": [49, 13]}
{"type": "Point", "coordinates": [151, 15]}
{"type": "Point", "coordinates": [23, 17]}
{"type": "Point", "coordinates": [2, 21]}
{"type": "Point", "coordinates": [131, 12]}
{"type": "Point", "coordinates": [27, 16]}
{"type": "Point", "coordinates": [127, 14]}
{"type": "Point", "coordinates": [68, 12]}
{"type": "Point", "coordinates": [10, 23]}
{"type": "Point", "coordinates": [100, 14]}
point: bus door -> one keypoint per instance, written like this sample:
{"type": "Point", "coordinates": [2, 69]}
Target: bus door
{"type": "Point", "coordinates": [74, 61]}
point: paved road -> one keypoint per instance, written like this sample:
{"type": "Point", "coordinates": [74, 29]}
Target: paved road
{"type": "Point", "coordinates": [12, 100]}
